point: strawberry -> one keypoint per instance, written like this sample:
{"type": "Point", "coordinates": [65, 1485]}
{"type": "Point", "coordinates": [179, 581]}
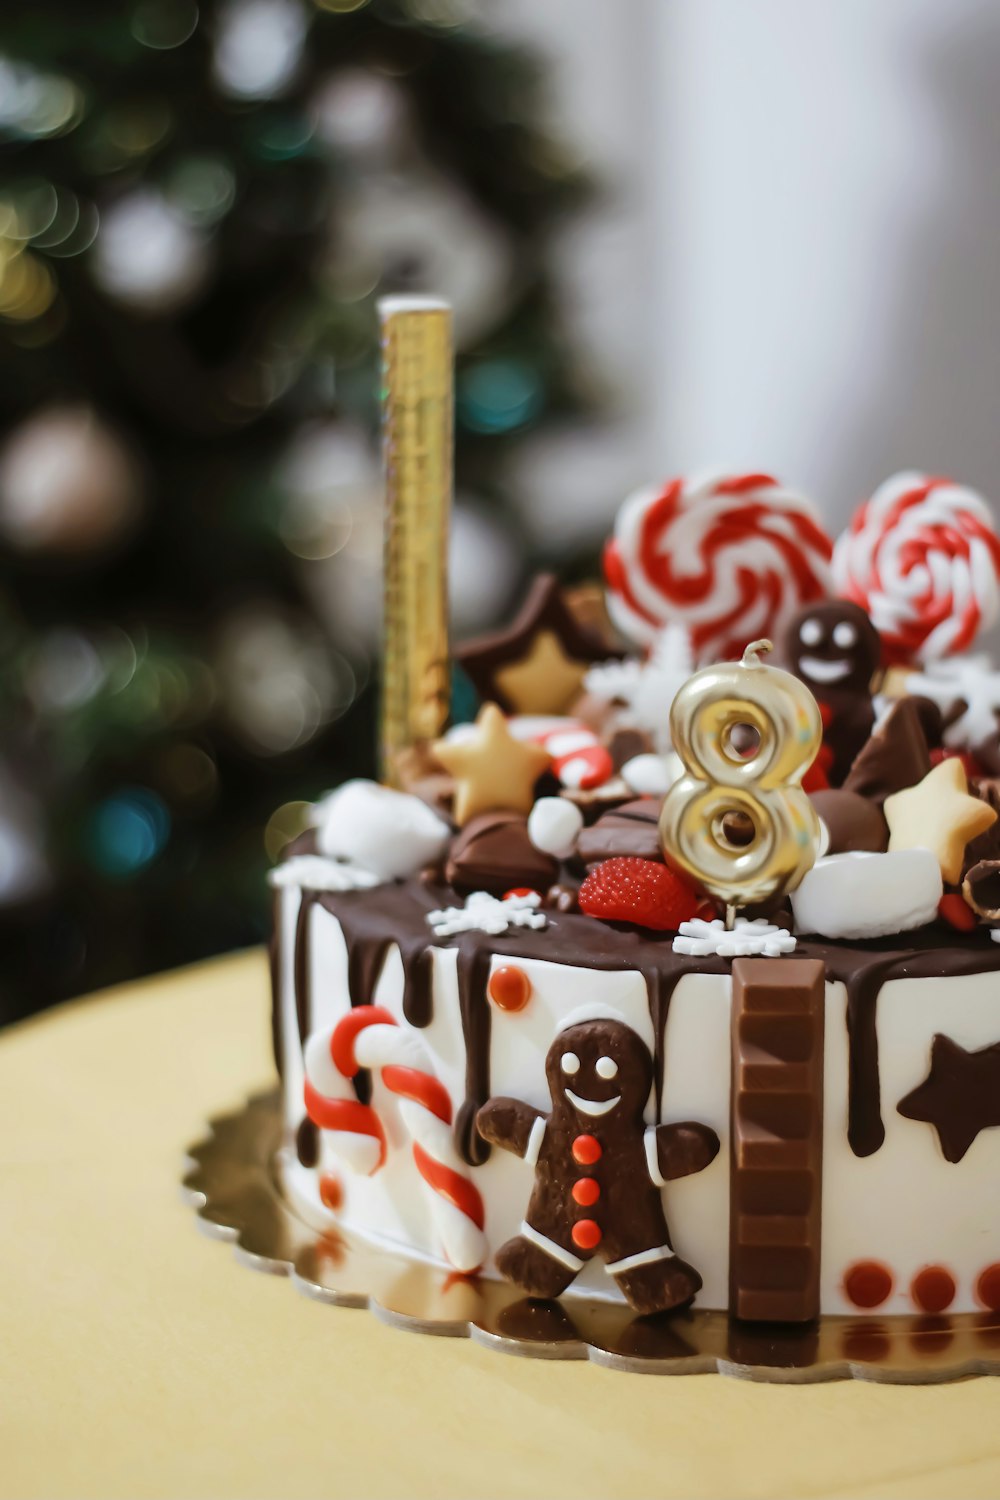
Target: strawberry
{"type": "Point", "coordinates": [629, 889]}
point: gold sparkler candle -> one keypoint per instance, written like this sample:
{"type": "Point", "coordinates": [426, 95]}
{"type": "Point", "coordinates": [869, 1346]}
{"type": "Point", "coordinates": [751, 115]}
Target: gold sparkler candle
{"type": "Point", "coordinates": [738, 821]}
{"type": "Point", "coordinates": [417, 404]}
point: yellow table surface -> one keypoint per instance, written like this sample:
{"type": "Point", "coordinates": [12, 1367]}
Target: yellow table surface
{"type": "Point", "coordinates": [138, 1358]}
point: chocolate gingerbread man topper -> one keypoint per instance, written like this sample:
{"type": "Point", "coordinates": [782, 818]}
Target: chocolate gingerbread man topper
{"type": "Point", "coordinates": [833, 647]}
{"type": "Point", "coordinates": [599, 1171]}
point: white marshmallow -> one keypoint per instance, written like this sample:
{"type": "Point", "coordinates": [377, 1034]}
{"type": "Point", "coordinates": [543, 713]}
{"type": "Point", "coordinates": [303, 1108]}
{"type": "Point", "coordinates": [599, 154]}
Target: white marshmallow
{"type": "Point", "coordinates": [651, 775]}
{"type": "Point", "coordinates": [863, 895]}
{"type": "Point", "coordinates": [554, 825]}
{"type": "Point", "coordinates": [391, 833]}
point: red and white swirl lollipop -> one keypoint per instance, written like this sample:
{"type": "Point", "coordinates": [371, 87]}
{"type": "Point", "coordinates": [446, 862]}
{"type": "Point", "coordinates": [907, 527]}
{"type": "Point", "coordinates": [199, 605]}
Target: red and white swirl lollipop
{"type": "Point", "coordinates": [730, 557]}
{"type": "Point", "coordinates": [922, 556]}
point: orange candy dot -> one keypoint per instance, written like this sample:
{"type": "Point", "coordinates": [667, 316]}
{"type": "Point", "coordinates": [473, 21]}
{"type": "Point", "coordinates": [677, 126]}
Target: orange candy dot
{"type": "Point", "coordinates": [988, 1287]}
{"type": "Point", "coordinates": [509, 988]}
{"type": "Point", "coordinates": [933, 1289]}
{"type": "Point", "coordinates": [587, 1234]}
{"type": "Point", "coordinates": [331, 1192]}
{"type": "Point", "coordinates": [586, 1191]}
{"type": "Point", "coordinates": [867, 1283]}
{"type": "Point", "coordinates": [586, 1150]}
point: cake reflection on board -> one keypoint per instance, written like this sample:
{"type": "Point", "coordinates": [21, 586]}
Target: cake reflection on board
{"type": "Point", "coordinates": [232, 1181]}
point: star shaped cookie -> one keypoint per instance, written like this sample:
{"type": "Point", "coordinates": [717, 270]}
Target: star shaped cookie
{"type": "Point", "coordinates": [939, 814]}
{"type": "Point", "coordinates": [491, 768]}
{"type": "Point", "coordinates": [537, 665]}
{"type": "Point", "coordinates": [960, 1095]}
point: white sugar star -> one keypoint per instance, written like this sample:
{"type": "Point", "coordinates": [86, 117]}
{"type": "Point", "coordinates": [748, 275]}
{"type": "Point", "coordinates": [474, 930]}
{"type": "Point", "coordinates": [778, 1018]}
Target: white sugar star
{"type": "Point", "coordinates": [746, 939]}
{"type": "Point", "coordinates": [485, 913]}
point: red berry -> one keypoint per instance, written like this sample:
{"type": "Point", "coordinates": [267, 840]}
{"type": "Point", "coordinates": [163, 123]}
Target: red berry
{"type": "Point", "coordinates": [629, 889]}
{"type": "Point", "coordinates": [955, 910]}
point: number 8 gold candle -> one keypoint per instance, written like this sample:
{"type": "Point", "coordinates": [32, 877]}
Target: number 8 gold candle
{"type": "Point", "coordinates": [746, 734]}
{"type": "Point", "coordinates": [417, 404]}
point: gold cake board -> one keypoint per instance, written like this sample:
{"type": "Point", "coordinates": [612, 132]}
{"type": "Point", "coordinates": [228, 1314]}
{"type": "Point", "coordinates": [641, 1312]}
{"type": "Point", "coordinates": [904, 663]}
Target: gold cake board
{"type": "Point", "coordinates": [232, 1183]}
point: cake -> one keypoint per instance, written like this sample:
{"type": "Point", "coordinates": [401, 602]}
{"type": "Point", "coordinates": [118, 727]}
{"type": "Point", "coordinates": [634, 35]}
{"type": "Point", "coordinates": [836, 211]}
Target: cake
{"type": "Point", "coordinates": [518, 1036]}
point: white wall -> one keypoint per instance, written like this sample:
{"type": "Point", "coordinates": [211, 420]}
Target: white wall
{"type": "Point", "coordinates": [800, 269]}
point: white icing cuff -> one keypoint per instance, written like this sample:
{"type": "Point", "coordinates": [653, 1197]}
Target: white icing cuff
{"type": "Point", "coordinates": [643, 1258]}
{"type": "Point", "coordinates": [556, 1252]}
{"type": "Point", "coordinates": [653, 1157]}
{"type": "Point", "coordinates": [535, 1139]}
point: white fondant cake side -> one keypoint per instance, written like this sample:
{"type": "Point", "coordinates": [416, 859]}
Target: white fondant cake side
{"type": "Point", "coordinates": [904, 1207]}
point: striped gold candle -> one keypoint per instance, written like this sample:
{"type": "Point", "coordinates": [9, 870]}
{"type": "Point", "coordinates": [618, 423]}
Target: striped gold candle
{"type": "Point", "coordinates": [417, 409]}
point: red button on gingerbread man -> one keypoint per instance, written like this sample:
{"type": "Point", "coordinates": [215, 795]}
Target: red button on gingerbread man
{"type": "Point", "coordinates": [598, 1171]}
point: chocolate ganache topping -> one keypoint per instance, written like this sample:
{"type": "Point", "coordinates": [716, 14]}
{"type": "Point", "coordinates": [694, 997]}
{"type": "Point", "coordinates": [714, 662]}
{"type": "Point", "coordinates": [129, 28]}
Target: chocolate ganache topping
{"type": "Point", "coordinates": [374, 921]}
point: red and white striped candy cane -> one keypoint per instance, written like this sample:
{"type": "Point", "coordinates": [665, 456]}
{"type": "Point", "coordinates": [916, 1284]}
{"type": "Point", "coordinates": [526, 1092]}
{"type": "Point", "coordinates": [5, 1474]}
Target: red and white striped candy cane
{"type": "Point", "coordinates": [579, 759]}
{"type": "Point", "coordinates": [369, 1037]}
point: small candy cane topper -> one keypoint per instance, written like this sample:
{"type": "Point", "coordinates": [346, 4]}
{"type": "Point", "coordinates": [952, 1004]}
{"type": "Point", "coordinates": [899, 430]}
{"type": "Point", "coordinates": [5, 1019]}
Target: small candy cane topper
{"type": "Point", "coordinates": [922, 556]}
{"type": "Point", "coordinates": [726, 556]}
{"type": "Point", "coordinates": [738, 821]}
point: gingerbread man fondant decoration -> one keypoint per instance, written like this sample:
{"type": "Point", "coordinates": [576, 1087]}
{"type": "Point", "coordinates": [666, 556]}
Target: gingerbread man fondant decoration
{"type": "Point", "coordinates": [599, 1171]}
{"type": "Point", "coordinates": [834, 648]}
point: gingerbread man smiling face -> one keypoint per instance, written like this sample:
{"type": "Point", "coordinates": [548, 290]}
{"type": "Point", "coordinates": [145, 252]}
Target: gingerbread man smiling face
{"type": "Point", "coordinates": [601, 1069]}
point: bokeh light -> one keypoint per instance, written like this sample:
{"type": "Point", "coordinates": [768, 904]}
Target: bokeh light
{"type": "Point", "coordinates": [127, 831]}
{"type": "Point", "coordinates": [499, 395]}
{"type": "Point", "coordinates": [164, 24]}
{"type": "Point", "coordinates": [285, 824]}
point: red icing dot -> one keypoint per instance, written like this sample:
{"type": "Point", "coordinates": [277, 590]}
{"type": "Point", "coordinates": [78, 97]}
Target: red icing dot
{"type": "Point", "coordinates": [988, 1287]}
{"type": "Point", "coordinates": [586, 1191]}
{"type": "Point", "coordinates": [586, 1150]}
{"type": "Point", "coordinates": [867, 1283]}
{"type": "Point", "coordinates": [509, 988]}
{"type": "Point", "coordinates": [933, 1289]}
{"type": "Point", "coordinates": [330, 1191]}
{"type": "Point", "coordinates": [587, 1234]}
{"type": "Point", "coordinates": [519, 890]}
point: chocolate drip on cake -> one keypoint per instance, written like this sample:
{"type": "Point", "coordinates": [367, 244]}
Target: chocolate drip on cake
{"type": "Point", "coordinates": [274, 963]}
{"type": "Point", "coordinates": [373, 921]}
{"type": "Point", "coordinates": [474, 961]}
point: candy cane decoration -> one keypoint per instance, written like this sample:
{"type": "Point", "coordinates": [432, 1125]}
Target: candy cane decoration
{"type": "Point", "coordinates": [369, 1037]}
{"type": "Point", "coordinates": [922, 556]}
{"type": "Point", "coordinates": [730, 557]}
{"type": "Point", "coordinates": [579, 759]}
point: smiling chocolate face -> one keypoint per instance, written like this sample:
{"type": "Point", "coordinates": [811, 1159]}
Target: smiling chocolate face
{"type": "Point", "coordinates": [833, 647]}
{"type": "Point", "coordinates": [601, 1069]}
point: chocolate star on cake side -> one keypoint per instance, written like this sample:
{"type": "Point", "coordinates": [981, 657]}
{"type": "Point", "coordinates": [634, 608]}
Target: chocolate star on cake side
{"type": "Point", "coordinates": [672, 977]}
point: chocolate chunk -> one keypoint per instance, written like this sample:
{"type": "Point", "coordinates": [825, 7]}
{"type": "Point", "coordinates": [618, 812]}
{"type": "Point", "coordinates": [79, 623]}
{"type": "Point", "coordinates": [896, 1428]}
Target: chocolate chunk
{"type": "Point", "coordinates": [625, 744]}
{"type": "Point", "coordinates": [776, 1176]}
{"type": "Point", "coordinates": [494, 853]}
{"type": "Point", "coordinates": [981, 888]}
{"type": "Point", "coordinates": [632, 828]}
{"type": "Point", "coordinates": [894, 758]}
{"type": "Point", "coordinates": [854, 822]}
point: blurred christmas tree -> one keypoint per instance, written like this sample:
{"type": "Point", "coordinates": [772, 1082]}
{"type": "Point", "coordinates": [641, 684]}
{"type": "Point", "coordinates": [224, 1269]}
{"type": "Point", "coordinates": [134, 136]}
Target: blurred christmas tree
{"type": "Point", "coordinates": [200, 203]}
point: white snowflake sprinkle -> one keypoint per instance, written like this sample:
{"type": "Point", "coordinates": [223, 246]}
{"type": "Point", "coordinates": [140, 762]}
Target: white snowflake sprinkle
{"type": "Point", "coordinates": [647, 688]}
{"type": "Point", "coordinates": [315, 873]}
{"type": "Point", "coordinates": [485, 913]}
{"type": "Point", "coordinates": [747, 939]}
{"type": "Point", "coordinates": [971, 680]}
